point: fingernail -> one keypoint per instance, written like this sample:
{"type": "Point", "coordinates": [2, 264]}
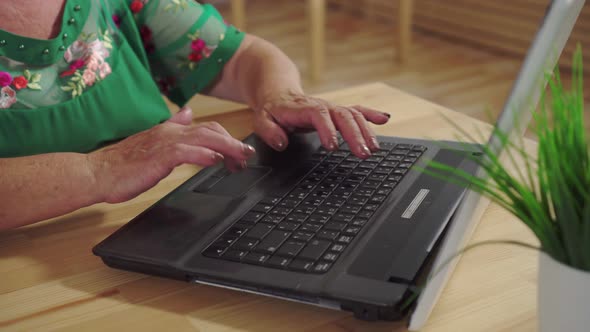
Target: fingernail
{"type": "Point", "coordinates": [249, 149]}
{"type": "Point", "coordinates": [365, 152]}
{"type": "Point", "coordinates": [244, 164]}
{"type": "Point", "coordinates": [279, 144]}
{"type": "Point", "coordinates": [217, 157]}
{"type": "Point", "coordinates": [334, 143]}
{"type": "Point", "coordinates": [387, 115]}
{"type": "Point", "coordinates": [375, 143]}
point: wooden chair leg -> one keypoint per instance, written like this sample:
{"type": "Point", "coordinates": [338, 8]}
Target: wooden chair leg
{"type": "Point", "coordinates": [316, 15]}
{"type": "Point", "coordinates": [404, 37]}
{"type": "Point", "coordinates": [238, 11]}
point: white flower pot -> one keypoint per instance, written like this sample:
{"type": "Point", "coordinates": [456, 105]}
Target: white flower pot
{"type": "Point", "coordinates": [564, 297]}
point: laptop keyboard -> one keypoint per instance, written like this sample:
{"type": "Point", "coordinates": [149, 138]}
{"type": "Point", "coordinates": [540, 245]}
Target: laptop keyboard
{"type": "Point", "coordinates": [308, 229]}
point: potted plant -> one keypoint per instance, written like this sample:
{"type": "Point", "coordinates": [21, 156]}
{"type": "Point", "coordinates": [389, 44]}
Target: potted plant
{"type": "Point", "coordinates": [551, 196]}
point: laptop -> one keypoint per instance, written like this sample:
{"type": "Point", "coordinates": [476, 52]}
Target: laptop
{"type": "Point", "coordinates": [327, 228]}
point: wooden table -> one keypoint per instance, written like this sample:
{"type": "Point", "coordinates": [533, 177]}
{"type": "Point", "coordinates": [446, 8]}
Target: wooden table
{"type": "Point", "coordinates": [50, 280]}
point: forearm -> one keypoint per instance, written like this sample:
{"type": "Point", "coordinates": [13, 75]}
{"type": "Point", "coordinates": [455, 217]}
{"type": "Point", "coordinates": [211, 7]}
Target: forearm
{"type": "Point", "coordinates": [257, 72]}
{"type": "Point", "coordinates": [36, 188]}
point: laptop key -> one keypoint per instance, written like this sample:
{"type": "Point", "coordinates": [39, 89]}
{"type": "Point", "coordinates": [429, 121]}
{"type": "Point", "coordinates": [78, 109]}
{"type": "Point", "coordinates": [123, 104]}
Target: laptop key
{"type": "Point", "coordinates": [281, 210]}
{"type": "Point", "coordinates": [365, 214]}
{"type": "Point", "coordinates": [255, 258]}
{"type": "Point", "coordinates": [389, 184]}
{"type": "Point", "coordinates": [353, 209]}
{"type": "Point", "coordinates": [321, 267]}
{"type": "Point", "coordinates": [338, 247]}
{"type": "Point", "coordinates": [290, 249]}
{"type": "Point", "coordinates": [270, 200]}
{"type": "Point", "coordinates": [383, 191]}
{"type": "Point", "coordinates": [272, 242]}
{"type": "Point", "coordinates": [261, 208]}
{"type": "Point", "coordinates": [303, 209]}
{"type": "Point", "coordinates": [326, 234]}
{"type": "Point", "coordinates": [273, 219]}
{"type": "Point", "coordinates": [302, 236]}
{"type": "Point", "coordinates": [278, 262]}
{"type": "Point", "coordinates": [334, 226]}
{"type": "Point", "coordinates": [420, 148]}
{"type": "Point", "coordinates": [329, 210]}
{"type": "Point", "coordinates": [236, 230]}
{"type": "Point", "coordinates": [359, 222]}
{"type": "Point", "coordinates": [259, 231]}
{"type": "Point", "coordinates": [314, 250]}
{"type": "Point", "coordinates": [312, 228]}
{"type": "Point", "coordinates": [344, 239]}
{"type": "Point", "coordinates": [252, 217]}
{"type": "Point", "coordinates": [287, 226]}
{"type": "Point", "coordinates": [296, 217]}
{"type": "Point", "coordinates": [300, 265]}
{"type": "Point", "coordinates": [235, 255]}
{"type": "Point", "coordinates": [370, 184]}
{"type": "Point", "coordinates": [351, 230]}
{"type": "Point", "coordinates": [213, 251]}
{"type": "Point", "coordinates": [244, 244]}
{"type": "Point", "coordinates": [358, 200]}
{"type": "Point", "coordinates": [377, 199]}
{"type": "Point", "coordinates": [318, 218]}
{"type": "Point", "coordinates": [343, 217]}
{"type": "Point", "coordinates": [330, 256]}
{"type": "Point", "coordinates": [289, 203]}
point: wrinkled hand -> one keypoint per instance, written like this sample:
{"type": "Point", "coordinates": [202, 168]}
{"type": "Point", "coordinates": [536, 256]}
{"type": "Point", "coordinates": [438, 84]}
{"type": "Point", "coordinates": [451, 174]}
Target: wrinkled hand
{"type": "Point", "coordinates": [130, 167]}
{"type": "Point", "coordinates": [293, 111]}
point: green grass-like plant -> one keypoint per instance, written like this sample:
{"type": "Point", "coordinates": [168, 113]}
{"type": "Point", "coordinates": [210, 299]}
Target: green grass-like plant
{"type": "Point", "coordinates": [549, 192]}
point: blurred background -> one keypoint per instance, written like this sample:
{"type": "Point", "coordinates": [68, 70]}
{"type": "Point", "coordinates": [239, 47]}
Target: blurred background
{"type": "Point", "coordinates": [462, 54]}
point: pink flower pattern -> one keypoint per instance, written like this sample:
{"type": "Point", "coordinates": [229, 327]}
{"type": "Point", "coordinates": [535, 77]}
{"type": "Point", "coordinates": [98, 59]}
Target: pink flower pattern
{"type": "Point", "coordinates": [87, 63]}
{"type": "Point", "coordinates": [7, 97]}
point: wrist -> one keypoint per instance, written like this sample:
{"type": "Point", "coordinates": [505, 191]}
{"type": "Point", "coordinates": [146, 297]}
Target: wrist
{"type": "Point", "coordinates": [94, 167]}
{"type": "Point", "coordinates": [277, 96]}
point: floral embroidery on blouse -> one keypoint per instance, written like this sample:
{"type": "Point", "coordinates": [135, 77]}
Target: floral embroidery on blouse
{"type": "Point", "coordinates": [8, 94]}
{"type": "Point", "coordinates": [199, 50]}
{"type": "Point", "coordinates": [87, 65]}
{"type": "Point", "coordinates": [176, 5]}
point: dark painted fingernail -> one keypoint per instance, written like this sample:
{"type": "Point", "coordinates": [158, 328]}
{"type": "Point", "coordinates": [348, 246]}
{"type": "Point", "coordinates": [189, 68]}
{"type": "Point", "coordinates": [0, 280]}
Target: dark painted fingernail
{"type": "Point", "coordinates": [248, 149]}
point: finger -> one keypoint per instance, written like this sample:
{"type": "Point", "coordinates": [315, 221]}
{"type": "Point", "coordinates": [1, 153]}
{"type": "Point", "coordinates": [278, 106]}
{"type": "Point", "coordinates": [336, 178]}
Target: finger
{"type": "Point", "coordinates": [183, 117]}
{"type": "Point", "coordinates": [269, 131]}
{"type": "Point", "coordinates": [196, 155]}
{"type": "Point", "coordinates": [230, 163]}
{"type": "Point", "coordinates": [366, 131]}
{"type": "Point", "coordinates": [348, 127]}
{"type": "Point", "coordinates": [313, 116]}
{"type": "Point", "coordinates": [226, 145]}
{"type": "Point", "coordinates": [372, 115]}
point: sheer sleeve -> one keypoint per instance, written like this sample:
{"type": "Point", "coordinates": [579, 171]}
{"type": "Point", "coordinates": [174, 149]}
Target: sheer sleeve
{"type": "Point", "coordinates": [187, 44]}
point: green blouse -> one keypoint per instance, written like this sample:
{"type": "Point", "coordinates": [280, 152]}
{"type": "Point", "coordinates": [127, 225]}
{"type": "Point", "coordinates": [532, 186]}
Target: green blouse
{"type": "Point", "coordinates": [102, 77]}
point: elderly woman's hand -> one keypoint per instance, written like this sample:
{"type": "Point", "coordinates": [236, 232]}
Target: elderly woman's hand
{"type": "Point", "coordinates": [291, 111]}
{"type": "Point", "coordinates": [130, 167]}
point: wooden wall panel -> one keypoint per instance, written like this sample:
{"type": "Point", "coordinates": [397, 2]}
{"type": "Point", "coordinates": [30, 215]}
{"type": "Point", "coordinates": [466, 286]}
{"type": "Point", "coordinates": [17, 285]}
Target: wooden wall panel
{"type": "Point", "coordinates": [494, 24]}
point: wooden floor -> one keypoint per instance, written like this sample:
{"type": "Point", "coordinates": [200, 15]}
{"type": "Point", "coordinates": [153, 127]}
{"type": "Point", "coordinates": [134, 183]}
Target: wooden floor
{"type": "Point", "coordinates": [451, 73]}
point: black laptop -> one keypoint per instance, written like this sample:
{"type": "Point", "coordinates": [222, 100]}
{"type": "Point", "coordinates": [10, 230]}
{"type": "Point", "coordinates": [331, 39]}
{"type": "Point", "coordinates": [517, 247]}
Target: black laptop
{"type": "Point", "coordinates": [327, 228]}
{"type": "Point", "coordinates": [306, 224]}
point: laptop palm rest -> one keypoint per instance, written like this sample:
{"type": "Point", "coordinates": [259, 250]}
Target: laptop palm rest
{"type": "Point", "coordinates": [234, 184]}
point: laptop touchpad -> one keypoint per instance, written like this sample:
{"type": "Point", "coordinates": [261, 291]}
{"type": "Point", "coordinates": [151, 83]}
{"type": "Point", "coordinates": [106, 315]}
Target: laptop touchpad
{"type": "Point", "coordinates": [235, 184]}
